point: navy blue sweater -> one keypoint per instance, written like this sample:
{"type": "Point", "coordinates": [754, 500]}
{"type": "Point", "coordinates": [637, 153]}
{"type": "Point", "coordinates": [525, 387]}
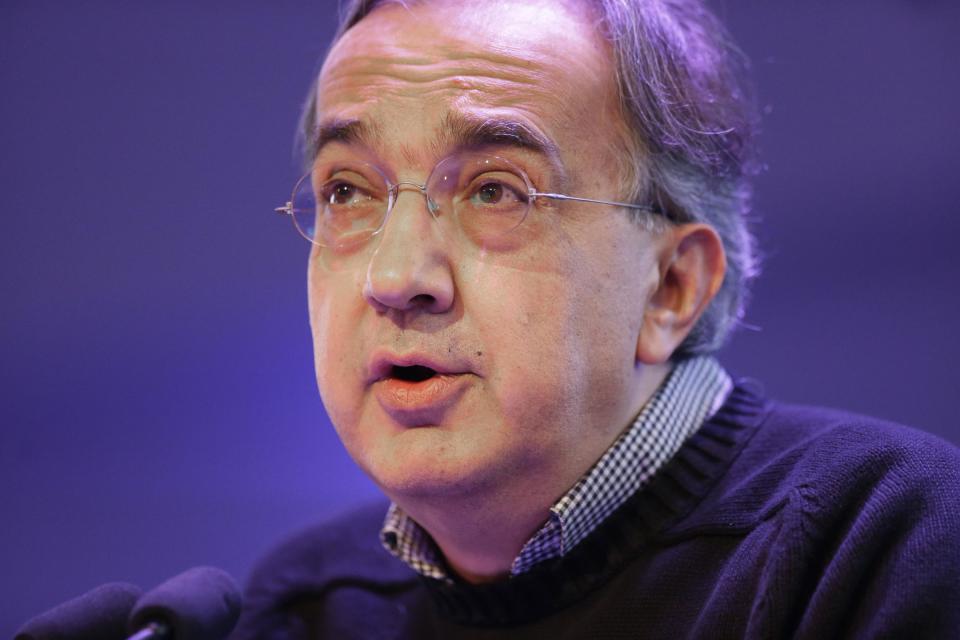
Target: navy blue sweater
{"type": "Point", "coordinates": [771, 522]}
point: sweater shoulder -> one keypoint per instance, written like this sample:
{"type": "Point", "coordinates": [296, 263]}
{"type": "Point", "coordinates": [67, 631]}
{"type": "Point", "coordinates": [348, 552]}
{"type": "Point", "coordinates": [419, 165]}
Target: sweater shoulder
{"type": "Point", "coordinates": [834, 448]}
{"type": "Point", "coordinates": [832, 461]}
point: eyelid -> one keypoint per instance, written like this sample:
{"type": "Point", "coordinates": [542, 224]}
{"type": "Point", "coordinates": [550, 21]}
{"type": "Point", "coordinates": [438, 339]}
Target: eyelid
{"type": "Point", "coordinates": [328, 189]}
{"type": "Point", "coordinates": [358, 168]}
{"type": "Point", "coordinates": [367, 180]}
{"type": "Point", "coordinates": [537, 167]}
{"type": "Point", "coordinates": [344, 160]}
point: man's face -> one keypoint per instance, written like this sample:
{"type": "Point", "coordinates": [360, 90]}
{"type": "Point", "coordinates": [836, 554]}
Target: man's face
{"type": "Point", "coordinates": [534, 335]}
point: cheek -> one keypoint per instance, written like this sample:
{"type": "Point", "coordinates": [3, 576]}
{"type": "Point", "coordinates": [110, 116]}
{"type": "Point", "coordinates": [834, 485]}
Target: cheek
{"type": "Point", "coordinates": [333, 306]}
{"type": "Point", "coordinates": [530, 326]}
{"type": "Point", "coordinates": [565, 336]}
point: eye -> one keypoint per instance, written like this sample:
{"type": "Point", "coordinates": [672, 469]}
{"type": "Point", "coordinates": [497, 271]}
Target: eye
{"type": "Point", "coordinates": [494, 193]}
{"type": "Point", "coordinates": [342, 193]}
{"type": "Point", "coordinates": [493, 197]}
{"type": "Point", "coordinates": [490, 193]}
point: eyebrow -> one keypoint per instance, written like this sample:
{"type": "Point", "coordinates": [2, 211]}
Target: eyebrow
{"type": "Point", "coordinates": [466, 130]}
{"type": "Point", "coordinates": [340, 130]}
{"type": "Point", "coordinates": [458, 131]}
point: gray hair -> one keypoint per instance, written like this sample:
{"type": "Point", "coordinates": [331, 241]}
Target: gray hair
{"type": "Point", "coordinates": [691, 122]}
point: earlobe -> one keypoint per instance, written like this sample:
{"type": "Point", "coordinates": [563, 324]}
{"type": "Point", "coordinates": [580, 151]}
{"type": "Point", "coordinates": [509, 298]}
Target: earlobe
{"type": "Point", "coordinates": [692, 265]}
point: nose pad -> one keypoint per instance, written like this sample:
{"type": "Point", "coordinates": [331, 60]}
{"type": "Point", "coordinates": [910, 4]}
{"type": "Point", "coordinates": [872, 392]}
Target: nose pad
{"type": "Point", "coordinates": [433, 206]}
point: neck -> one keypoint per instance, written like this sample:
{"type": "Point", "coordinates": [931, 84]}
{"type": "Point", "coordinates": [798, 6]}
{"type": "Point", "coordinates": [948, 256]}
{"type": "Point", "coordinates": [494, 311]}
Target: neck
{"type": "Point", "coordinates": [480, 545]}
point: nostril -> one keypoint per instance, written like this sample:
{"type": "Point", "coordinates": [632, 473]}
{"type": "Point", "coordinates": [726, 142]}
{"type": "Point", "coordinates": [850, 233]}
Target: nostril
{"type": "Point", "coordinates": [415, 373]}
{"type": "Point", "coordinates": [423, 300]}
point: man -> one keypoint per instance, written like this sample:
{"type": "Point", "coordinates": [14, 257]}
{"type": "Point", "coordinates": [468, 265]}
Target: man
{"type": "Point", "coordinates": [528, 237]}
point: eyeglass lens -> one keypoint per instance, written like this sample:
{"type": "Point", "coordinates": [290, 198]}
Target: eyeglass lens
{"type": "Point", "coordinates": [343, 203]}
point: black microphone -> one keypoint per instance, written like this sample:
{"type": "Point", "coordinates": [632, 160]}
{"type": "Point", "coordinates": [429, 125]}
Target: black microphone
{"type": "Point", "coordinates": [202, 603]}
{"type": "Point", "coordinates": [99, 613]}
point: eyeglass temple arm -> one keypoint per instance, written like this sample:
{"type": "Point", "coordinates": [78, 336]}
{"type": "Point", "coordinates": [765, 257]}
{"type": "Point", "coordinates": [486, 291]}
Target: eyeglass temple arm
{"type": "Point", "coordinates": [560, 196]}
{"type": "Point", "coordinates": [286, 209]}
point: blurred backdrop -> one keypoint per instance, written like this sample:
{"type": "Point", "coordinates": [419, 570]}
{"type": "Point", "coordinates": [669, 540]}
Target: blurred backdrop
{"type": "Point", "coordinates": [157, 403]}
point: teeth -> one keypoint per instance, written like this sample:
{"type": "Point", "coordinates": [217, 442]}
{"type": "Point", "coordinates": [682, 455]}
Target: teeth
{"type": "Point", "coordinates": [415, 373]}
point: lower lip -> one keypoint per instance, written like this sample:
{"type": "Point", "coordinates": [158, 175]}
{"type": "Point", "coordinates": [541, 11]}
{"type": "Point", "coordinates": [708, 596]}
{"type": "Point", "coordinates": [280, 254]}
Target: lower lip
{"type": "Point", "coordinates": [420, 402]}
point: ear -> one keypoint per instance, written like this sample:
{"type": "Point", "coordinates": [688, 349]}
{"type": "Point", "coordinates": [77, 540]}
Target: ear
{"type": "Point", "coordinates": [692, 263]}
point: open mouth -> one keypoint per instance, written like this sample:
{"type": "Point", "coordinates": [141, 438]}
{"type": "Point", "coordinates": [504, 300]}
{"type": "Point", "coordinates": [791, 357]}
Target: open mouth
{"type": "Point", "coordinates": [414, 373]}
{"type": "Point", "coordinates": [414, 393]}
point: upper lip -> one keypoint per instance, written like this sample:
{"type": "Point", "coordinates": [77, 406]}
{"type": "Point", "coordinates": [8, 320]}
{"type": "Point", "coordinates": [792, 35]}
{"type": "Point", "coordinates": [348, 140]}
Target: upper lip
{"type": "Point", "coordinates": [381, 364]}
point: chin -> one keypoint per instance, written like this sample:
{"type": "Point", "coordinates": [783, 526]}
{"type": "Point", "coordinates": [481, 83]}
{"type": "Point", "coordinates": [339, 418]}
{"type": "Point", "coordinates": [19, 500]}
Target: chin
{"type": "Point", "coordinates": [404, 484]}
{"type": "Point", "coordinates": [429, 469]}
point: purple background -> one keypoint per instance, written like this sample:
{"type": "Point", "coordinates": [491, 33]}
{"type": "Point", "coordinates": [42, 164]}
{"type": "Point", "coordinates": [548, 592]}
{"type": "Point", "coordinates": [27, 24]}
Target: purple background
{"type": "Point", "coordinates": [156, 389]}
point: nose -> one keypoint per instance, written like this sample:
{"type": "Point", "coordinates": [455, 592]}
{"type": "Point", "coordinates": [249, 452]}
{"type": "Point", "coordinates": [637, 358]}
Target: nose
{"type": "Point", "coordinates": [411, 265]}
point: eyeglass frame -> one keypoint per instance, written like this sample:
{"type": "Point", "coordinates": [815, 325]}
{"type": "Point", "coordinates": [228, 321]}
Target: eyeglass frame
{"type": "Point", "coordinates": [393, 189]}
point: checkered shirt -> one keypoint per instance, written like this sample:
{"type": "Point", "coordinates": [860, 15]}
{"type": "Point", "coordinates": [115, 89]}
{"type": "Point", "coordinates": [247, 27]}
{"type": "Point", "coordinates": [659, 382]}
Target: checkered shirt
{"type": "Point", "coordinates": [694, 391]}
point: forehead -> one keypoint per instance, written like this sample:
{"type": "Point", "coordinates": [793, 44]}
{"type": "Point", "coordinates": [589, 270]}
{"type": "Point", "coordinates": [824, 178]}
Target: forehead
{"type": "Point", "coordinates": [404, 70]}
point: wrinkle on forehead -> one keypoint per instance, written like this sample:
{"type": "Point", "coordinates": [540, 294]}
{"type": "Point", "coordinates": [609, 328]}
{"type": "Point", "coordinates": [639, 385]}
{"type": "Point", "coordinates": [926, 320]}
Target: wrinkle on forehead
{"type": "Point", "coordinates": [495, 79]}
{"type": "Point", "coordinates": [360, 79]}
{"type": "Point", "coordinates": [404, 66]}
